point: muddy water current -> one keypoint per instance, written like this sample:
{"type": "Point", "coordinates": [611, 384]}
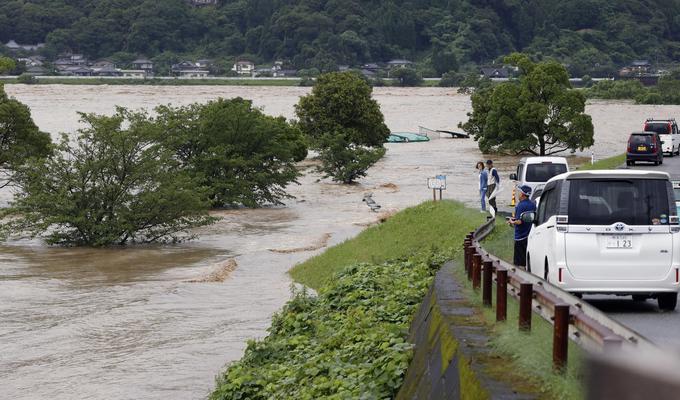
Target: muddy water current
{"type": "Point", "coordinates": [143, 322]}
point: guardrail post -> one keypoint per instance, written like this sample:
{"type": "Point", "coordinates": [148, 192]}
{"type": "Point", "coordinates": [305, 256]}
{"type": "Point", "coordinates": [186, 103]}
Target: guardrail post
{"type": "Point", "coordinates": [486, 284]}
{"type": "Point", "coordinates": [526, 293]}
{"type": "Point", "coordinates": [466, 255]}
{"type": "Point", "coordinates": [468, 261]}
{"type": "Point", "coordinates": [561, 337]}
{"type": "Point", "coordinates": [476, 269]}
{"type": "Point", "coordinates": [501, 294]}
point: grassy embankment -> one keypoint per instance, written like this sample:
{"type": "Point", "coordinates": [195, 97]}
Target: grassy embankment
{"type": "Point", "coordinates": [437, 226]}
{"type": "Point", "coordinates": [606, 163]}
{"type": "Point", "coordinates": [350, 340]}
{"type": "Point", "coordinates": [325, 346]}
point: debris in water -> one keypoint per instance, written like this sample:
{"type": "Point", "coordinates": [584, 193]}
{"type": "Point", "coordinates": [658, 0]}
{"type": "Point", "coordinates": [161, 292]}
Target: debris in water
{"type": "Point", "coordinates": [220, 272]}
{"type": "Point", "coordinates": [322, 242]}
{"type": "Point", "coordinates": [394, 188]}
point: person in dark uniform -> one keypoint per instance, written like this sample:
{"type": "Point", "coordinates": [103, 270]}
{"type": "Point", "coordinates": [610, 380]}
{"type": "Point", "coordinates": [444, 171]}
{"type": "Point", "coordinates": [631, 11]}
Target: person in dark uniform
{"type": "Point", "coordinates": [522, 228]}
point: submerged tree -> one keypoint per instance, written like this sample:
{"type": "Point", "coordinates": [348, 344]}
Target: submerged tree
{"type": "Point", "coordinates": [344, 124]}
{"type": "Point", "coordinates": [20, 138]}
{"type": "Point", "coordinates": [115, 183]}
{"type": "Point", "coordinates": [538, 114]}
{"type": "Point", "coordinates": [241, 155]}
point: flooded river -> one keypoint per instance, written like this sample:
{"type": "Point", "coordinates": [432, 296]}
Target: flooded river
{"type": "Point", "coordinates": [143, 322]}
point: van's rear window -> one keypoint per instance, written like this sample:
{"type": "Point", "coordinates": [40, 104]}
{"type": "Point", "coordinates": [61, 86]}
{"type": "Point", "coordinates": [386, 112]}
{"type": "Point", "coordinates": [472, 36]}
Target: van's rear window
{"type": "Point", "coordinates": [640, 139]}
{"type": "Point", "coordinates": [605, 202]}
{"type": "Point", "coordinates": [543, 172]}
{"type": "Point", "coordinates": [662, 128]}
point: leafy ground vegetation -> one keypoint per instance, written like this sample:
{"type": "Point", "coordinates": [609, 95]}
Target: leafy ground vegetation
{"type": "Point", "coordinates": [349, 341]}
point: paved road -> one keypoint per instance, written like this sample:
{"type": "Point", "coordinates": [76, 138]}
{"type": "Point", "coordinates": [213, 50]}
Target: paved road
{"type": "Point", "coordinates": [662, 328]}
{"type": "Point", "coordinates": [670, 165]}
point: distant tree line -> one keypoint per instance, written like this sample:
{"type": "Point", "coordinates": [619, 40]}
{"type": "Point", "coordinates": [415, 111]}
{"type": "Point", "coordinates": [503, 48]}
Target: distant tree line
{"type": "Point", "coordinates": [589, 36]}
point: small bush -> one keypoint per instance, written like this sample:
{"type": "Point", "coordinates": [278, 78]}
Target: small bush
{"type": "Point", "coordinates": [27, 79]}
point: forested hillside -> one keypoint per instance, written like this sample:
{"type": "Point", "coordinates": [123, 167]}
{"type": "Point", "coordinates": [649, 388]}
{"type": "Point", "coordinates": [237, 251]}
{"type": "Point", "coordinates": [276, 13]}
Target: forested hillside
{"type": "Point", "coordinates": [589, 35]}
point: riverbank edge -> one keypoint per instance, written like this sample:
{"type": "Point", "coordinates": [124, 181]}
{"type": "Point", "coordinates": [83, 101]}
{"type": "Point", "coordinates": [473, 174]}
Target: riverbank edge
{"type": "Point", "coordinates": [452, 357]}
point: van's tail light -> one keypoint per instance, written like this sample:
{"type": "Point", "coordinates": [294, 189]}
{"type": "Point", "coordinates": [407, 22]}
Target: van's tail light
{"type": "Point", "coordinates": [674, 220]}
{"type": "Point", "coordinates": [677, 275]}
{"type": "Point", "coordinates": [630, 146]}
{"type": "Point", "coordinates": [653, 145]}
{"type": "Point", "coordinates": [560, 270]}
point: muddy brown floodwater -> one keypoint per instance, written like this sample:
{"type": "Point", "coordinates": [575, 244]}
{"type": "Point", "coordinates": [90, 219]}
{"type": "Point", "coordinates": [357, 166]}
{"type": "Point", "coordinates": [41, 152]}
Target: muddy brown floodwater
{"type": "Point", "coordinates": [145, 322]}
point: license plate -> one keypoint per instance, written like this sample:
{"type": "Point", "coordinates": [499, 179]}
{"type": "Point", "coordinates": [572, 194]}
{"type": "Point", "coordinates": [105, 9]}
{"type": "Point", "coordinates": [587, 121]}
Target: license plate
{"type": "Point", "coordinates": [642, 148]}
{"type": "Point", "coordinates": [619, 242]}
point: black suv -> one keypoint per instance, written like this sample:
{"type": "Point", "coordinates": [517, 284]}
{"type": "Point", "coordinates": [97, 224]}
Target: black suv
{"type": "Point", "coordinates": [644, 146]}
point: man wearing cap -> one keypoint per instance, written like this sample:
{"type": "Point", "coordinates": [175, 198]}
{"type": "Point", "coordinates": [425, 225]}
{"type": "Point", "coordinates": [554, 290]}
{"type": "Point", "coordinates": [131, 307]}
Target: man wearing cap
{"type": "Point", "coordinates": [522, 228]}
{"type": "Point", "coordinates": [493, 181]}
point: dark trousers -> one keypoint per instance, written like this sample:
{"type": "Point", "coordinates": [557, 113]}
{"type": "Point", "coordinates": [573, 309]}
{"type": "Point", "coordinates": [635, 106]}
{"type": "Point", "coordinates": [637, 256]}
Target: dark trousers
{"type": "Point", "coordinates": [492, 202]}
{"type": "Point", "coordinates": [520, 257]}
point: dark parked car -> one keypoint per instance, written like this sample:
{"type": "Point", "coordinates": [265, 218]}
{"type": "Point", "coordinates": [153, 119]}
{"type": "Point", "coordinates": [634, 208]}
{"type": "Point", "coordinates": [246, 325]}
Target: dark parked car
{"type": "Point", "coordinates": [644, 146]}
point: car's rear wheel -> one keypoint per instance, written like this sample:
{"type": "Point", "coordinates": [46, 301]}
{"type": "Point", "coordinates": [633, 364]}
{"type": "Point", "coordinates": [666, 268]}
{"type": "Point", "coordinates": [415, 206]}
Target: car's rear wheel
{"type": "Point", "coordinates": [667, 301]}
{"type": "Point", "coordinates": [629, 163]}
{"type": "Point", "coordinates": [661, 161]}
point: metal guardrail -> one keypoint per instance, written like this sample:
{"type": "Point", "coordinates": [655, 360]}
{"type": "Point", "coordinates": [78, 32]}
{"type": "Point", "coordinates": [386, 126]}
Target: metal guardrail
{"type": "Point", "coordinates": [570, 316]}
{"type": "Point", "coordinates": [621, 363]}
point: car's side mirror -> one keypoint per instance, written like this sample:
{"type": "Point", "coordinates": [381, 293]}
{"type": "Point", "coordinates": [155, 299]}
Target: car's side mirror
{"type": "Point", "coordinates": [528, 217]}
{"type": "Point", "coordinates": [513, 177]}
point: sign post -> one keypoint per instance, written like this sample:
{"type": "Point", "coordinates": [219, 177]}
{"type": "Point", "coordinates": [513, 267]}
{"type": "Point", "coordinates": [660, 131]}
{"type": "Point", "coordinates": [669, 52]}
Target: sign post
{"type": "Point", "coordinates": [437, 183]}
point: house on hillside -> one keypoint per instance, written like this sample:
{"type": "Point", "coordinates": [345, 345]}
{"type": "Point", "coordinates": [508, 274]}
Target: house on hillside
{"type": "Point", "coordinates": [244, 67]}
{"type": "Point", "coordinates": [104, 64]}
{"type": "Point", "coordinates": [204, 63]}
{"type": "Point", "coordinates": [188, 69]}
{"type": "Point", "coordinates": [107, 70]}
{"type": "Point", "coordinates": [144, 65]}
{"type": "Point", "coordinates": [494, 72]}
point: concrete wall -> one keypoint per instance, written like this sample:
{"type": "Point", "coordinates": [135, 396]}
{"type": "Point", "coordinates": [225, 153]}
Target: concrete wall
{"type": "Point", "coordinates": [451, 354]}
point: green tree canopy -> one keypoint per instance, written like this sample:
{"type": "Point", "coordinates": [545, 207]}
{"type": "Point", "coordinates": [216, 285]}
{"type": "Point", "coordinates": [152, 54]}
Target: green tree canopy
{"type": "Point", "coordinates": [344, 123]}
{"type": "Point", "coordinates": [406, 76]}
{"type": "Point", "coordinates": [115, 183]}
{"type": "Point", "coordinates": [6, 65]}
{"type": "Point", "coordinates": [20, 138]}
{"type": "Point", "coordinates": [242, 155]}
{"type": "Point", "coordinates": [538, 114]}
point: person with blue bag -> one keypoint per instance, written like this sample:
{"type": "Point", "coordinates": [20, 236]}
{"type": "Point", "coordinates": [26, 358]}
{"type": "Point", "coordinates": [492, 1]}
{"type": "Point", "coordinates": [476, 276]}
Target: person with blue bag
{"type": "Point", "coordinates": [483, 184]}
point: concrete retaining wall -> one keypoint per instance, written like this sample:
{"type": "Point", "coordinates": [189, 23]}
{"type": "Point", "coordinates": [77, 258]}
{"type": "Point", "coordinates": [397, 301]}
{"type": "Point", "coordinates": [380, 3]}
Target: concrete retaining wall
{"type": "Point", "coordinates": [451, 352]}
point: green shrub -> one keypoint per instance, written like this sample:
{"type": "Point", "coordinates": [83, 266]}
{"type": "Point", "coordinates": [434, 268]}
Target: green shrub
{"type": "Point", "coordinates": [27, 79]}
{"type": "Point", "coordinates": [349, 342]}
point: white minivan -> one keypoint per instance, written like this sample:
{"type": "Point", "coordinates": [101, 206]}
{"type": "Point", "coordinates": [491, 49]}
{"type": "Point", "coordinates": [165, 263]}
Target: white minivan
{"type": "Point", "coordinates": [608, 232]}
{"type": "Point", "coordinates": [536, 171]}
{"type": "Point", "coordinates": [668, 133]}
